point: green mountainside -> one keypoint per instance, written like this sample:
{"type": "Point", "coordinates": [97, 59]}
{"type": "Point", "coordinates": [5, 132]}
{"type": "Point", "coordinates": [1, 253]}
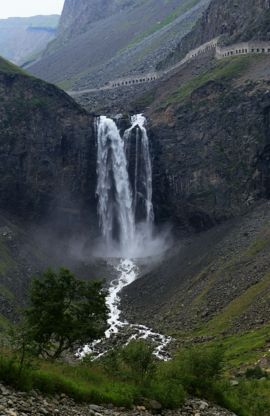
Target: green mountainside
{"type": "Point", "coordinates": [103, 40]}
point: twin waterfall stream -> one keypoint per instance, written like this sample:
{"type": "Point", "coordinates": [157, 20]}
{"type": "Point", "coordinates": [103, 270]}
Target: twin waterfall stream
{"type": "Point", "coordinates": [125, 209]}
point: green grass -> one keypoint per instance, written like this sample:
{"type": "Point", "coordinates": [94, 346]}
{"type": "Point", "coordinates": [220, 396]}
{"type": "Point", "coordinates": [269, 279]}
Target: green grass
{"type": "Point", "coordinates": [82, 384]}
{"type": "Point", "coordinates": [243, 350]}
{"type": "Point", "coordinates": [225, 319]}
{"type": "Point", "coordinates": [224, 70]}
{"type": "Point", "coordinates": [4, 324]}
{"type": "Point", "coordinates": [202, 371]}
{"type": "Point", "coordinates": [238, 306]}
{"type": "Point", "coordinates": [9, 68]}
{"type": "Point", "coordinates": [257, 247]}
{"type": "Point", "coordinates": [85, 383]}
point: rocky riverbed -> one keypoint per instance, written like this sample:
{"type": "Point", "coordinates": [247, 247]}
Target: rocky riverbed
{"type": "Point", "coordinates": [13, 403]}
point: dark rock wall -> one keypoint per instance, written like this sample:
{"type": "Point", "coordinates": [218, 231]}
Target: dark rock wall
{"type": "Point", "coordinates": [47, 152]}
{"type": "Point", "coordinates": [211, 154]}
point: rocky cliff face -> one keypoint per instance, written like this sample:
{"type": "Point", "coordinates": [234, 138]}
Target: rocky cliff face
{"type": "Point", "coordinates": [211, 145]}
{"type": "Point", "coordinates": [47, 150]}
{"type": "Point", "coordinates": [47, 184]}
{"type": "Point", "coordinates": [239, 20]}
{"type": "Point", "coordinates": [76, 18]}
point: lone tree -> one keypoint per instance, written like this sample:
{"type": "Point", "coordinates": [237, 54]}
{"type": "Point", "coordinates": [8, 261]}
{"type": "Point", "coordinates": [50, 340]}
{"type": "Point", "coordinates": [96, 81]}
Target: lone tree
{"type": "Point", "coordinates": [64, 313]}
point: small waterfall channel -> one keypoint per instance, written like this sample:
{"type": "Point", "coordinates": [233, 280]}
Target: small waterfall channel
{"type": "Point", "coordinates": [126, 217]}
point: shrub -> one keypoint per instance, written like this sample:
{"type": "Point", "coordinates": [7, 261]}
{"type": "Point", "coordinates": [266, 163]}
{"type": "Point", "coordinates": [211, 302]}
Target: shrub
{"type": "Point", "coordinates": [169, 393]}
{"type": "Point", "coordinates": [256, 373]}
{"type": "Point", "coordinates": [138, 360]}
{"type": "Point", "coordinates": [12, 374]}
{"type": "Point", "coordinates": [198, 370]}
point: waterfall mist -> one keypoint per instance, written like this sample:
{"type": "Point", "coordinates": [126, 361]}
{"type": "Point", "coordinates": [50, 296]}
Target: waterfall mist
{"type": "Point", "coordinates": [124, 191]}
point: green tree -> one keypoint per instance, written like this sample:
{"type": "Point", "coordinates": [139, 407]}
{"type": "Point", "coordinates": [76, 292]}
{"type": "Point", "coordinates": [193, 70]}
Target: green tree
{"type": "Point", "coordinates": [64, 313]}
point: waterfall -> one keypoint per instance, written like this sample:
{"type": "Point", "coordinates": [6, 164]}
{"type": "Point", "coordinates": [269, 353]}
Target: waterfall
{"type": "Point", "coordinates": [113, 188]}
{"type": "Point", "coordinates": [120, 197]}
{"type": "Point", "coordinates": [143, 170]}
{"type": "Point", "coordinates": [125, 209]}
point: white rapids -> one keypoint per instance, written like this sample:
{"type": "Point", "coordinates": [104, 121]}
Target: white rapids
{"type": "Point", "coordinates": [120, 202]}
{"type": "Point", "coordinates": [128, 273]}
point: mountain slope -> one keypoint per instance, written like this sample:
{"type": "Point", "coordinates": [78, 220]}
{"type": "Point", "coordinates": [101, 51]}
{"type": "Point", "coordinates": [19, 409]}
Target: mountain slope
{"type": "Point", "coordinates": [75, 18]}
{"type": "Point", "coordinates": [210, 144]}
{"type": "Point", "coordinates": [22, 38]}
{"type": "Point", "coordinates": [232, 20]}
{"type": "Point", "coordinates": [210, 284]}
{"type": "Point", "coordinates": [133, 38]}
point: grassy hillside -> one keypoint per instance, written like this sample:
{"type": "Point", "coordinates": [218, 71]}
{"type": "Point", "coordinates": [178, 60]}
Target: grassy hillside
{"type": "Point", "coordinates": [8, 67]}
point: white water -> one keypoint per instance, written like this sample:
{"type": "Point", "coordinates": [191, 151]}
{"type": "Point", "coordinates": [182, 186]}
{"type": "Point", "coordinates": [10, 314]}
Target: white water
{"type": "Point", "coordinates": [128, 273]}
{"type": "Point", "coordinates": [117, 206]}
{"type": "Point", "coordinates": [139, 122]}
{"type": "Point", "coordinates": [113, 189]}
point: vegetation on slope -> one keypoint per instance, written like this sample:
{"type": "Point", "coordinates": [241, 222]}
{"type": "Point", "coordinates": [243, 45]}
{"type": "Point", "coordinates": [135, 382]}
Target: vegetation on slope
{"type": "Point", "coordinates": [9, 68]}
{"type": "Point", "coordinates": [224, 70]}
{"type": "Point", "coordinates": [131, 376]}
{"type": "Point", "coordinates": [225, 370]}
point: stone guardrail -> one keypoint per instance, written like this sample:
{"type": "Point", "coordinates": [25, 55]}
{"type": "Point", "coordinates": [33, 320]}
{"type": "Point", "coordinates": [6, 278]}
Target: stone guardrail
{"type": "Point", "coordinates": [243, 48]}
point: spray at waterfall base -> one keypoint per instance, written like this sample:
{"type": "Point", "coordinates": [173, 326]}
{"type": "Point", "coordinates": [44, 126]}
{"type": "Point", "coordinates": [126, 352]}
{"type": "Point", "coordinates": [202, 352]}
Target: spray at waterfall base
{"type": "Point", "coordinates": [125, 209]}
{"type": "Point", "coordinates": [124, 192]}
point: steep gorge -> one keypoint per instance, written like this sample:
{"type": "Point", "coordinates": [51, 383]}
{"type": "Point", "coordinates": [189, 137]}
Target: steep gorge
{"type": "Point", "coordinates": [208, 126]}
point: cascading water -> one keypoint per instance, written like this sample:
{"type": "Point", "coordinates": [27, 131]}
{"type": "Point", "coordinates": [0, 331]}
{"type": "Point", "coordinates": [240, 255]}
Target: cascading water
{"type": "Point", "coordinates": [143, 170]}
{"type": "Point", "coordinates": [124, 193]}
{"type": "Point", "coordinates": [113, 189]}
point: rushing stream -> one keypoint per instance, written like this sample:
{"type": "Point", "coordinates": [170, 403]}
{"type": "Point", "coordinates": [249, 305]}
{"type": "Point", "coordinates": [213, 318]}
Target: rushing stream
{"type": "Point", "coordinates": [126, 216]}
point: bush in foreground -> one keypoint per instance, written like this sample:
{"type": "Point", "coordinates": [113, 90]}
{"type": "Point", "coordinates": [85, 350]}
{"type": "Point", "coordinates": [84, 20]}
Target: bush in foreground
{"type": "Point", "coordinates": [64, 312]}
